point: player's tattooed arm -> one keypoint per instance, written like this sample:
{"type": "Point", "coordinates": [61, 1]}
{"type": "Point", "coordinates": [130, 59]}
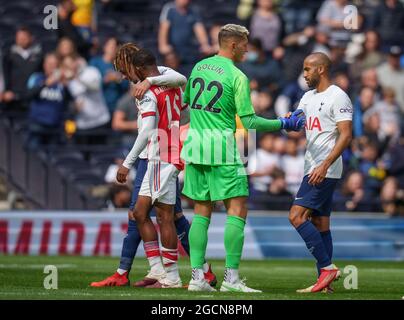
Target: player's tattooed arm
{"type": "Point", "coordinates": [168, 77]}
{"type": "Point", "coordinates": [344, 139]}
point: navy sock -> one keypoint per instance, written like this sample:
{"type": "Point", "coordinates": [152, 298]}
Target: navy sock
{"type": "Point", "coordinates": [327, 240]}
{"type": "Point", "coordinates": [314, 243]}
{"type": "Point", "coordinates": [182, 226]}
{"type": "Point", "coordinates": [130, 245]}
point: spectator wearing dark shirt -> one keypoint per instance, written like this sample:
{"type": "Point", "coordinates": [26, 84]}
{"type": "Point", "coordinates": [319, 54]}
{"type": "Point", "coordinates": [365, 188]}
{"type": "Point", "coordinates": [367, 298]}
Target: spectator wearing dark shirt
{"type": "Point", "coordinates": [388, 20]}
{"type": "Point", "coordinates": [263, 103]}
{"type": "Point", "coordinates": [23, 59]}
{"type": "Point", "coordinates": [289, 99]}
{"type": "Point", "coordinates": [363, 102]}
{"type": "Point", "coordinates": [48, 97]}
{"type": "Point", "coordinates": [277, 197]}
{"type": "Point", "coordinates": [352, 196]}
{"type": "Point", "coordinates": [1, 75]}
{"type": "Point", "coordinates": [394, 161]}
{"type": "Point", "coordinates": [337, 57]}
{"type": "Point", "coordinates": [119, 197]}
{"type": "Point", "coordinates": [113, 87]}
{"type": "Point", "coordinates": [179, 22]}
{"type": "Point", "coordinates": [371, 168]}
{"type": "Point", "coordinates": [297, 14]}
{"type": "Point", "coordinates": [261, 68]}
{"type": "Point", "coordinates": [67, 30]}
{"type": "Point", "coordinates": [300, 44]}
{"type": "Point", "coordinates": [392, 197]}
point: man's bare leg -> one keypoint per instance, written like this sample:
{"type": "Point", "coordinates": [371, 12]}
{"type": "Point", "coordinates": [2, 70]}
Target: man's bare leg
{"type": "Point", "coordinates": [169, 241]}
{"type": "Point", "coordinates": [150, 241]}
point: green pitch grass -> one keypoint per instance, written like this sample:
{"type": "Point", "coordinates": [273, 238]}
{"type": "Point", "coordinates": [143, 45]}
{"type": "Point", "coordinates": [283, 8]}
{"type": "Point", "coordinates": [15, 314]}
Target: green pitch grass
{"type": "Point", "coordinates": [22, 277]}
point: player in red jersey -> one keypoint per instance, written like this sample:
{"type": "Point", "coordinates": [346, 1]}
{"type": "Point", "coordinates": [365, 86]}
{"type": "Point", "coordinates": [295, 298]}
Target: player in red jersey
{"type": "Point", "coordinates": [162, 113]}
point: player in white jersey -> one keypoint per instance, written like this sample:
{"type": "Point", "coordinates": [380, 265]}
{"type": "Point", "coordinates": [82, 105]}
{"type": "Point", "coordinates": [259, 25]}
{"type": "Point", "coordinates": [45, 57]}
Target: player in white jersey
{"type": "Point", "coordinates": [328, 112]}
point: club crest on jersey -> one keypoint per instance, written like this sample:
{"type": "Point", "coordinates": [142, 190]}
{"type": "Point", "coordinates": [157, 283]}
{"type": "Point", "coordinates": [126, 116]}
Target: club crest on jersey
{"type": "Point", "coordinates": [313, 123]}
{"type": "Point", "coordinates": [321, 106]}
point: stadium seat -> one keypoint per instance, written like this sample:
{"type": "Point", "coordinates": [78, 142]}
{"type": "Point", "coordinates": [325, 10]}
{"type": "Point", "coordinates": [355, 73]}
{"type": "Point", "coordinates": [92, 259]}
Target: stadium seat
{"type": "Point", "coordinates": [56, 189]}
{"type": "Point", "coordinates": [5, 143]}
{"type": "Point", "coordinates": [37, 176]}
{"type": "Point", "coordinates": [103, 160]}
{"type": "Point", "coordinates": [66, 156]}
{"type": "Point", "coordinates": [79, 184]}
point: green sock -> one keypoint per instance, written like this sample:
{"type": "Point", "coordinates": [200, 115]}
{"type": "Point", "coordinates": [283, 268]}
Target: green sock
{"type": "Point", "coordinates": [198, 240]}
{"type": "Point", "coordinates": [234, 241]}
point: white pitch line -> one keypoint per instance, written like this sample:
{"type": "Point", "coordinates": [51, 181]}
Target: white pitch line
{"type": "Point", "coordinates": [36, 266]}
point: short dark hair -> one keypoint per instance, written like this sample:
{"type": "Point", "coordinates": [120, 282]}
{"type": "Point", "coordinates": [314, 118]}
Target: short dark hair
{"type": "Point", "coordinates": [144, 58]}
{"type": "Point", "coordinates": [277, 174]}
{"type": "Point", "coordinates": [23, 28]}
{"type": "Point", "coordinates": [256, 43]}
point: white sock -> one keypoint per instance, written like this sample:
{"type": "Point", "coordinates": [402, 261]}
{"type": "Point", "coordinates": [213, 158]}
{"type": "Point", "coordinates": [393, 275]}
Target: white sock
{"type": "Point", "coordinates": [156, 265]}
{"type": "Point", "coordinates": [152, 251]}
{"type": "Point", "coordinates": [205, 267]}
{"type": "Point", "coordinates": [231, 275]}
{"type": "Point", "coordinates": [197, 274]}
{"type": "Point", "coordinates": [172, 272]}
{"type": "Point", "coordinates": [170, 258]}
{"type": "Point", "coordinates": [121, 271]}
{"type": "Point", "coordinates": [329, 267]}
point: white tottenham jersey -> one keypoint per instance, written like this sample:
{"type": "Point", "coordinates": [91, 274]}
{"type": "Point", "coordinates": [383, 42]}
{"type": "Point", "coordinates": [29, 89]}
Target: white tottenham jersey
{"type": "Point", "coordinates": [323, 110]}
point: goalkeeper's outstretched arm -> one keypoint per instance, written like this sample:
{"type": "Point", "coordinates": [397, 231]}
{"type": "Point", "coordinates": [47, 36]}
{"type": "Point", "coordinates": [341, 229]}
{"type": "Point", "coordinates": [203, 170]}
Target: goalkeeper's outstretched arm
{"type": "Point", "coordinates": [260, 124]}
{"type": "Point", "coordinates": [294, 122]}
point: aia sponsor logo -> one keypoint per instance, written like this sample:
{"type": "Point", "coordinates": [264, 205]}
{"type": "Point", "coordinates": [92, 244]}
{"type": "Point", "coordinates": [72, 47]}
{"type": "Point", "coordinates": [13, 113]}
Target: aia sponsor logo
{"type": "Point", "coordinates": [313, 123]}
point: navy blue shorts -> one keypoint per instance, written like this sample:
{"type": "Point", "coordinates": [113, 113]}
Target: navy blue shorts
{"type": "Point", "coordinates": [141, 168]}
{"type": "Point", "coordinates": [318, 197]}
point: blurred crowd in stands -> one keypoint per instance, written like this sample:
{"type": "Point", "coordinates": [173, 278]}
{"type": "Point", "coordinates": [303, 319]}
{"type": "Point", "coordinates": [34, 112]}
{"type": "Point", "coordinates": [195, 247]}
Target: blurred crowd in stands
{"type": "Point", "coordinates": [63, 82]}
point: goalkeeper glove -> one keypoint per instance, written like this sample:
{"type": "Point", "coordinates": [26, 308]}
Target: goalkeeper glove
{"type": "Point", "coordinates": [295, 122]}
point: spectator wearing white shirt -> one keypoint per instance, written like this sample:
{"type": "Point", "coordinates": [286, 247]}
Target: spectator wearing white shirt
{"type": "Point", "coordinates": [84, 84]}
{"type": "Point", "coordinates": [389, 115]}
{"type": "Point", "coordinates": [262, 162]}
{"type": "Point", "coordinates": [292, 164]}
{"type": "Point", "coordinates": [390, 74]}
{"type": "Point", "coordinates": [331, 15]}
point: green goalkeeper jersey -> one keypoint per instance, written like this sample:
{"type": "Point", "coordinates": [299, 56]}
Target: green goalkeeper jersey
{"type": "Point", "coordinates": [216, 92]}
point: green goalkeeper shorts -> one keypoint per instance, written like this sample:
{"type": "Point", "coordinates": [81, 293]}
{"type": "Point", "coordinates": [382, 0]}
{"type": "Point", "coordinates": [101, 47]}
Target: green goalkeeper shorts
{"type": "Point", "coordinates": [213, 183]}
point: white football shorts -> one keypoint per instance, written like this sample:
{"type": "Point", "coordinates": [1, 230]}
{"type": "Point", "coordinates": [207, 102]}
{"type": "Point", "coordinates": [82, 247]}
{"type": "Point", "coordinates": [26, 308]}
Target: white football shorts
{"type": "Point", "coordinates": [160, 182]}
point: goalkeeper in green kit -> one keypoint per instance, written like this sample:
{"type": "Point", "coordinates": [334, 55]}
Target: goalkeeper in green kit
{"type": "Point", "coordinates": [216, 92]}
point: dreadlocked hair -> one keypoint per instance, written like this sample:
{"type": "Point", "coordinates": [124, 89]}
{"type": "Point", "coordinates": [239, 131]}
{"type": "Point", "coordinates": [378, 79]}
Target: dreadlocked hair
{"type": "Point", "coordinates": [124, 56]}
